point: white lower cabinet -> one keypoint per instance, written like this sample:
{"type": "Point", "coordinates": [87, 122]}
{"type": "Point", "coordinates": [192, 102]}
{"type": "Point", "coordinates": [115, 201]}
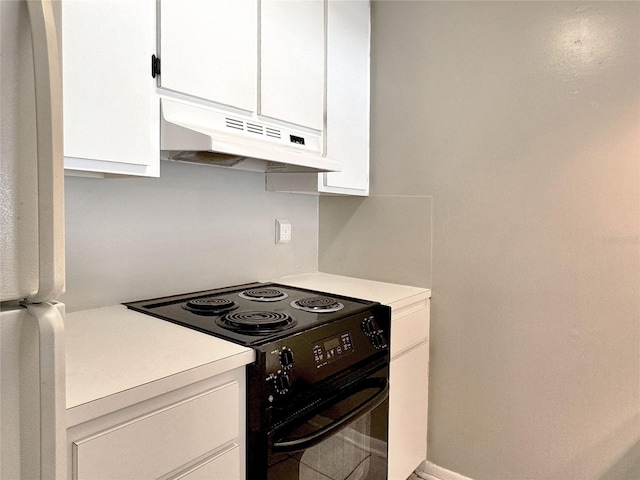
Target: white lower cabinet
{"type": "Point", "coordinates": [408, 413]}
{"type": "Point", "coordinates": [222, 466]}
{"type": "Point", "coordinates": [195, 432]}
{"type": "Point", "coordinates": [409, 380]}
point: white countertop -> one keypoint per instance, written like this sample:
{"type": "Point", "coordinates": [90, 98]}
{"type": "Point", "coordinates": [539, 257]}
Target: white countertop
{"type": "Point", "coordinates": [111, 350]}
{"type": "Point", "coordinates": [390, 294]}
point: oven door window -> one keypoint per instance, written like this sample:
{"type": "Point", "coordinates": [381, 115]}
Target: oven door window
{"type": "Point", "coordinates": [346, 440]}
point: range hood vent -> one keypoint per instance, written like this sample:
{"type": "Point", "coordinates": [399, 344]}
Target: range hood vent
{"type": "Point", "coordinates": [252, 127]}
{"type": "Point", "coordinates": [198, 134]}
{"type": "Point", "coordinates": [234, 123]}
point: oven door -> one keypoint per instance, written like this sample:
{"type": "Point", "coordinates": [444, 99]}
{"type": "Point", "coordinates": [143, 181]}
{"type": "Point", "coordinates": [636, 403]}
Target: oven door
{"type": "Point", "coordinates": [345, 439]}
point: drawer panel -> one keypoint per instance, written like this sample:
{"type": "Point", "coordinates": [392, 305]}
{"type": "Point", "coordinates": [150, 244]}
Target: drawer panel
{"type": "Point", "coordinates": [221, 467]}
{"type": "Point", "coordinates": [408, 406]}
{"type": "Point", "coordinates": [408, 329]}
{"type": "Point", "coordinates": [161, 441]}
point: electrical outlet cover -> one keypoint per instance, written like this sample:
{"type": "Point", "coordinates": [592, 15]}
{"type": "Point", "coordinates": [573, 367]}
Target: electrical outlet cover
{"type": "Point", "coordinates": [283, 230]}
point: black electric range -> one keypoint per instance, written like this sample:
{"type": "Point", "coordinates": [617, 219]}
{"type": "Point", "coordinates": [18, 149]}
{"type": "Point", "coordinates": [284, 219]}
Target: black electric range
{"type": "Point", "coordinates": [321, 368]}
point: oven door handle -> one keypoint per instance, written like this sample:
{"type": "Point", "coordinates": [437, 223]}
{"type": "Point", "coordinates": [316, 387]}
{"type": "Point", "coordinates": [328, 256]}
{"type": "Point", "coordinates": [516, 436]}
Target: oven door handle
{"type": "Point", "coordinates": [308, 441]}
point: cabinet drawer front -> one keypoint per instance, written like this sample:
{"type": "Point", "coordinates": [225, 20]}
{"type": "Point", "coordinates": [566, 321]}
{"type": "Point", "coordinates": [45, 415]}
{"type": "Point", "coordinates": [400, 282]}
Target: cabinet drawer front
{"type": "Point", "coordinates": [408, 405]}
{"type": "Point", "coordinates": [163, 440]}
{"type": "Point", "coordinates": [221, 467]}
{"type": "Point", "coordinates": [408, 329]}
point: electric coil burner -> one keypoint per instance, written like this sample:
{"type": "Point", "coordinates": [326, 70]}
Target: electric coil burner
{"type": "Point", "coordinates": [320, 381]}
{"type": "Point", "coordinates": [256, 323]}
{"type": "Point", "coordinates": [263, 294]}
{"type": "Point", "coordinates": [210, 305]}
{"type": "Point", "coordinates": [319, 304]}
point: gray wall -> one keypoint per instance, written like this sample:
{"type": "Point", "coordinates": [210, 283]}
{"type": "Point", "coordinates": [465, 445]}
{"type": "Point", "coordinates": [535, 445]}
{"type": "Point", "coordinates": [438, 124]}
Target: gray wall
{"type": "Point", "coordinates": [382, 237]}
{"type": "Point", "coordinates": [194, 228]}
{"type": "Point", "coordinates": [521, 121]}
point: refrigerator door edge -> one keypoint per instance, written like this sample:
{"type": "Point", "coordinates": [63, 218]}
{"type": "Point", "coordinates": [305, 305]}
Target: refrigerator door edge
{"type": "Point", "coordinates": [48, 86]}
{"type": "Point", "coordinates": [49, 321]}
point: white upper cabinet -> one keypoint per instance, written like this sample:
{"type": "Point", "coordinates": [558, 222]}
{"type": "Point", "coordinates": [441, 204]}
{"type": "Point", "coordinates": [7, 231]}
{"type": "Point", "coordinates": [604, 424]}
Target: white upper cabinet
{"type": "Point", "coordinates": [208, 50]}
{"type": "Point", "coordinates": [265, 58]}
{"type": "Point", "coordinates": [111, 111]}
{"type": "Point", "coordinates": [292, 59]}
{"type": "Point", "coordinates": [347, 106]}
{"type": "Point", "coordinates": [348, 97]}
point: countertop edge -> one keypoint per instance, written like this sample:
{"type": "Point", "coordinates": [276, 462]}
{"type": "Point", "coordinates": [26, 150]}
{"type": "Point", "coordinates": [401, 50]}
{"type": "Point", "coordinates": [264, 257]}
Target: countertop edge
{"type": "Point", "coordinates": [94, 408]}
{"type": "Point", "coordinates": [113, 353]}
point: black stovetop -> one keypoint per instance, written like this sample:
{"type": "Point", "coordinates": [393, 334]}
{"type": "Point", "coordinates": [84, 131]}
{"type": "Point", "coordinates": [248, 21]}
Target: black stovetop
{"type": "Point", "coordinates": [186, 310]}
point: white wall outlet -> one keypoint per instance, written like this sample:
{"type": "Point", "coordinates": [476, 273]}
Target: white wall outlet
{"type": "Point", "coordinates": [283, 230]}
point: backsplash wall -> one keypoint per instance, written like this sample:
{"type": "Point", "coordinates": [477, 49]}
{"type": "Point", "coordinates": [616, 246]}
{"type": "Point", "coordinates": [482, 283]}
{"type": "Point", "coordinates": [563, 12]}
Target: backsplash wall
{"type": "Point", "coordinates": [383, 237]}
{"type": "Point", "coordinates": [194, 228]}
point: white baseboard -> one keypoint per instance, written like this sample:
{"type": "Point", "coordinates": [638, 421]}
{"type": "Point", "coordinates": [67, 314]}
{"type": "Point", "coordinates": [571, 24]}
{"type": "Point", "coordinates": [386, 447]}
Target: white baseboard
{"type": "Point", "coordinates": [431, 471]}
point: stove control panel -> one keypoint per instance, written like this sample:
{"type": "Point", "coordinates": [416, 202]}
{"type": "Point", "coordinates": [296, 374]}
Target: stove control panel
{"type": "Point", "coordinates": [330, 349]}
{"type": "Point", "coordinates": [291, 365]}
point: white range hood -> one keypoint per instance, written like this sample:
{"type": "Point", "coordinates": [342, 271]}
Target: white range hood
{"type": "Point", "coordinates": [198, 134]}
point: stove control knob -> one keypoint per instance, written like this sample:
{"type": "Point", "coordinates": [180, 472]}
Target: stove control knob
{"type": "Point", "coordinates": [286, 358]}
{"type": "Point", "coordinates": [282, 383]}
{"type": "Point", "coordinates": [368, 326]}
{"type": "Point", "coordinates": [378, 341]}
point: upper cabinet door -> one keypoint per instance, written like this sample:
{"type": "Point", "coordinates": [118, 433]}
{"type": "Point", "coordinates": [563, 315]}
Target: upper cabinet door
{"type": "Point", "coordinates": [292, 61]}
{"type": "Point", "coordinates": [348, 88]}
{"type": "Point", "coordinates": [208, 49]}
{"type": "Point", "coordinates": [347, 107]}
{"type": "Point", "coordinates": [111, 111]}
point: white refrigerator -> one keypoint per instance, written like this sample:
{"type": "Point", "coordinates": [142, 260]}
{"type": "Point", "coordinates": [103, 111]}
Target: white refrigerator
{"type": "Point", "coordinates": [32, 377]}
